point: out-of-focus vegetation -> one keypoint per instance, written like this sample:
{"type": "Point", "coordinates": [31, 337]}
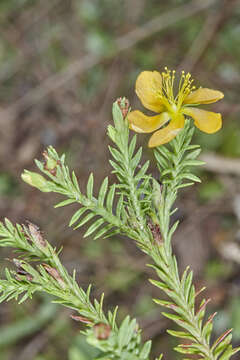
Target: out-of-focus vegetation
{"type": "Point", "coordinates": [62, 64]}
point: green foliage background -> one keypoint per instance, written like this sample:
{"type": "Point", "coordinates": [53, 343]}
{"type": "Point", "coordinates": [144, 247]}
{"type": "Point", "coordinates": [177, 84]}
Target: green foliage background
{"type": "Point", "coordinates": [39, 41]}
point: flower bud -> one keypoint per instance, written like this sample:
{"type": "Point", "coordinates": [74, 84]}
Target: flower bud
{"type": "Point", "coordinates": [156, 232]}
{"type": "Point", "coordinates": [50, 163]}
{"type": "Point", "coordinates": [55, 274]}
{"type": "Point", "coordinates": [36, 236]}
{"type": "Point", "coordinates": [102, 331]}
{"type": "Point", "coordinates": [81, 319]}
{"type": "Point", "coordinates": [36, 180]}
{"type": "Point", "coordinates": [124, 105]}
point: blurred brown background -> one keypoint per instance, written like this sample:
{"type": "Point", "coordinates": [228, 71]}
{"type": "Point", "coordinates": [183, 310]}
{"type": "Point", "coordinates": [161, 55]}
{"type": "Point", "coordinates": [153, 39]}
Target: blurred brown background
{"type": "Point", "coordinates": [62, 64]}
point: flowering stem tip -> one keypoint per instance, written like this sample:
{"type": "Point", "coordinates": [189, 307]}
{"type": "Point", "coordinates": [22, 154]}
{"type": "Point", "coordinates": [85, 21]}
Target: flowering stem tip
{"type": "Point", "coordinates": [157, 93]}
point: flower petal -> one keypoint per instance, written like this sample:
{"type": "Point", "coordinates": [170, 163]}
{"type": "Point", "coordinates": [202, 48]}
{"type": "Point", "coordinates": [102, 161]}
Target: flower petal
{"type": "Point", "coordinates": [206, 121]}
{"type": "Point", "coordinates": [148, 89]}
{"type": "Point", "coordinates": [145, 124]}
{"type": "Point", "coordinates": [166, 134]}
{"type": "Point", "coordinates": [203, 96]}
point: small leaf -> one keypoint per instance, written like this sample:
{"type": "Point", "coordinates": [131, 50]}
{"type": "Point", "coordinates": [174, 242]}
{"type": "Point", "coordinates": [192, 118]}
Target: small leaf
{"type": "Point", "coordinates": [145, 350]}
{"type": "Point", "coordinates": [132, 146]}
{"type": "Point", "coordinates": [77, 215]}
{"type": "Point", "coordinates": [103, 231]}
{"type": "Point", "coordinates": [123, 334]}
{"type": "Point", "coordinates": [164, 303]}
{"type": "Point", "coordinates": [115, 153]}
{"type": "Point", "coordinates": [102, 191]}
{"type": "Point", "coordinates": [187, 285]}
{"type": "Point", "coordinates": [110, 198]}
{"type": "Point", "coordinates": [173, 317]}
{"type": "Point", "coordinates": [117, 116]}
{"type": "Point", "coordinates": [119, 206]}
{"type": "Point", "coordinates": [85, 220]}
{"type": "Point", "coordinates": [181, 334]}
{"type": "Point", "coordinates": [193, 154]}
{"type": "Point", "coordinates": [227, 353]}
{"type": "Point", "coordinates": [94, 227]}
{"type": "Point", "coordinates": [65, 202]}
{"type": "Point", "coordinates": [207, 328]}
{"type": "Point", "coordinates": [135, 160]}
{"type": "Point", "coordinates": [201, 311]}
{"type": "Point", "coordinates": [159, 284]}
{"type": "Point", "coordinates": [193, 163]}
{"type": "Point", "coordinates": [9, 225]}
{"type": "Point", "coordinates": [221, 344]}
{"type": "Point", "coordinates": [191, 177]}
{"type": "Point", "coordinates": [184, 185]}
{"type": "Point", "coordinates": [90, 186]}
{"type": "Point", "coordinates": [75, 181]}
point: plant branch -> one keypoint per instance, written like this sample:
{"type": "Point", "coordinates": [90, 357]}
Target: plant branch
{"type": "Point", "coordinates": [52, 277]}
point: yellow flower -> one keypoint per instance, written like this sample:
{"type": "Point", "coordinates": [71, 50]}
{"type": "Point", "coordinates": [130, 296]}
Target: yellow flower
{"type": "Point", "coordinates": [156, 92]}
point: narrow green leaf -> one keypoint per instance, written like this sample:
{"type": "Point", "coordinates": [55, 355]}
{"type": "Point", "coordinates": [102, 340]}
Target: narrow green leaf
{"type": "Point", "coordinates": [123, 333]}
{"type": "Point", "coordinates": [75, 181]}
{"type": "Point", "coordinates": [193, 163]}
{"type": "Point", "coordinates": [119, 207]}
{"type": "Point", "coordinates": [207, 328]}
{"type": "Point", "coordinates": [190, 177]}
{"type": "Point", "coordinates": [94, 227]}
{"type": "Point", "coordinates": [9, 225]}
{"type": "Point", "coordinates": [77, 215]}
{"type": "Point", "coordinates": [159, 284]}
{"type": "Point", "coordinates": [192, 147]}
{"type": "Point", "coordinates": [115, 153]}
{"type": "Point", "coordinates": [65, 202]}
{"type": "Point", "coordinates": [85, 220]}
{"type": "Point", "coordinates": [90, 186]}
{"type": "Point", "coordinates": [173, 317]}
{"type": "Point", "coordinates": [193, 154]}
{"type": "Point", "coordinates": [145, 350]}
{"type": "Point", "coordinates": [184, 185]}
{"type": "Point", "coordinates": [142, 171]}
{"type": "Point", "coordinates": [24, 298]}
{"type": "Point", "coordinates": [102, 191]}
{"type": "Point", "coordinates": [187, 285]}
{"type": "Point", "coordinates": [184, 276]}
{"type": "Point", "coordinates": [164, 303]}
{"type": "Point", "coordinates": [110, 198]}
{"type": "Point", "coordinates": [162, 163]}
{"type": "Point", "coordinates": [181, 335]}
{"type": "Point", "coordinates": [222, 342]}
{"type": "Point", "coordinates": [103, 231]}
{"type": "Point", "coordinates": [135, 160]}
{"type": "Point", "coordinates": [227, 353]}
{"type": "Point", "coordinates": [132, 146]}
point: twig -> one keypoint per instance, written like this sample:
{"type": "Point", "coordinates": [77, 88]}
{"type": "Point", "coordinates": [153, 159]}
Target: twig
{"type": "Point", "coordinates": [212, 24]}
{"type": "Point", "coordinates": [201, 42]}
{"type": "Point", "coordinates": [28, 326]}
{"type": "Point", "coordinates": [220, 164]}
{"type": "Point", "coordinates": [121, 44]}
{"type": "Point", "coordinates": [34, 346]}
{"type": "Point", "coordinates": [10, 68]}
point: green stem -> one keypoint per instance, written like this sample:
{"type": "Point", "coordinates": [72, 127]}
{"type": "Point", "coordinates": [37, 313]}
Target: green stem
{"type": "Point", "coordinates": [180, 300]}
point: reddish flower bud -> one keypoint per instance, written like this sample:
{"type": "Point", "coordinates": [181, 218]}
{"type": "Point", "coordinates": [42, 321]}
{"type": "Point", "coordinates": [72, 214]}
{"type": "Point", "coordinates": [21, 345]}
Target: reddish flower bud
{"type": "Point", "coordinates": [36, 236]}
{"type": "Point", "coordinates": [102, 331]}
{"type": "Point", "coordinates": [81, 319]}
{"type": "Point", "coordinates": [55, 274]}
{"type": "Point", "coordinates": [124, 105]}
